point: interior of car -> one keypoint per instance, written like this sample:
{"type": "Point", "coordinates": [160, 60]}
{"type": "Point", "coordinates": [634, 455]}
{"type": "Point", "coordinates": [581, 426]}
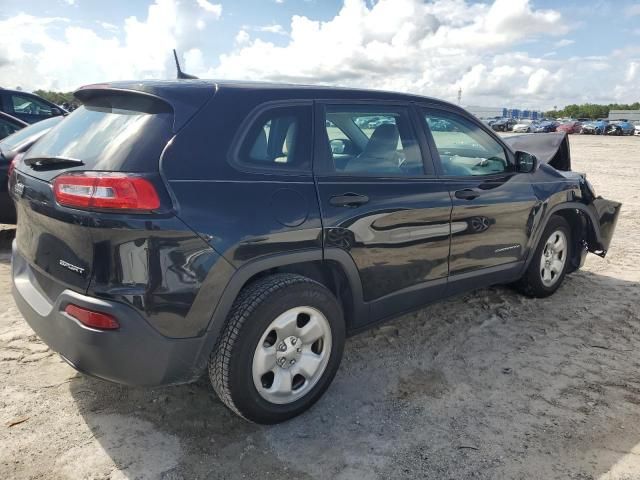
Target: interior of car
{"type": "Point", "coordinates": [373, 143]}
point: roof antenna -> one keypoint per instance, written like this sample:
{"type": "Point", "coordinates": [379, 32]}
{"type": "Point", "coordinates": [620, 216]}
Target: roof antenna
{"type": "Point", "coordinates": [180, 74]}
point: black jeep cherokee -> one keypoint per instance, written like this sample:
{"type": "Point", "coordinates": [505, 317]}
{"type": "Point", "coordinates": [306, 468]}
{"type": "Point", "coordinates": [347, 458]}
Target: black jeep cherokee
{"type": "Point", "coordinates": [169, 227]}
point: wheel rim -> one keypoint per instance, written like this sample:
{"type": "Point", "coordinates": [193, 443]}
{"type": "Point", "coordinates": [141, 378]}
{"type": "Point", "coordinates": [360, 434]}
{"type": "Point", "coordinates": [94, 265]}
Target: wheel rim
{"type": "Point", "coordinates": [554, 256]}
{"type": "Point", "coordinates": [292, 355]}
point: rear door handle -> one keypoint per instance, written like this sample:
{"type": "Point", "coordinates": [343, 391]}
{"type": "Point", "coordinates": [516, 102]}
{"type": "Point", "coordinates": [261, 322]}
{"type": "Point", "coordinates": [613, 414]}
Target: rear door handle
{"type": "Point", "coordinates": [467, 194]}
{"type": "Point", "coordinates": [348, 200]}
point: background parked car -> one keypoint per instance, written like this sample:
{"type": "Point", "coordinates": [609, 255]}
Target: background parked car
{"type": "Point", "coordinates": [596, 127]}
{"type": "Point", "coordinates": [9, 124]}
{"type": "Point", "coordinates": [637, 127]}
{"type": "Point", "coordinates": [504, 124]}
{"type": "Point", "coordinates": [546, 126]}
{"type": "Point", "coordinates": [27, 106]}
{"type": "Point", "coordinates": [524, 126]}
{"type": "Point", "coordinates": [10, 147]}
{"type": "Point", "coordinates": [572, 126]}
{"type": "Point", "coordinates": [620, 127]}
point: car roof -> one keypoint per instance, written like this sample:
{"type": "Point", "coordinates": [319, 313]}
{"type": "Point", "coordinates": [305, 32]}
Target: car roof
{"type": "Point", "coordinates": [168, 89]}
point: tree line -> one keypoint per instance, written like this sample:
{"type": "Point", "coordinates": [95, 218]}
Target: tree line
{"type": "Point", "coordinates": [590, 110]}
{"type": "Point", "coordinates": [57, 97]}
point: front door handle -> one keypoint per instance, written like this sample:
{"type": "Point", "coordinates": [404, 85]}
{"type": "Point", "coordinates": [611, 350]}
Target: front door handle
{"type": "Point", "coordinates": [467, 194]}
{"type": "Point", "coordinates": [348, 200]}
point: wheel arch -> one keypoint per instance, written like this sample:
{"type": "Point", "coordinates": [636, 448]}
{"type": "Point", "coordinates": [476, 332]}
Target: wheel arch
{"type": "Point", "coordinates": [335, 270]}
{"type": "Point", "coordinates": [585, 234]}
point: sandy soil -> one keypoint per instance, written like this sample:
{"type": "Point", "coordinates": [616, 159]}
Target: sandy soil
{"type": "Point", "coordinates": [488, 385]}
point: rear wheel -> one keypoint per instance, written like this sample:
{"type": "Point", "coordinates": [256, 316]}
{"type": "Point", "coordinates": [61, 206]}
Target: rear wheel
{"type": "Point", "coordinates": [280, 349]}
{"type": "Point", "coordinates": [550, 260]}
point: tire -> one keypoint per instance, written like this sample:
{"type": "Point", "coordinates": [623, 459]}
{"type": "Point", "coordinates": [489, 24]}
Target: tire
{"type": "Point", "coordinates": [268, 314]}
{"type": "Point", "coordinates": [541, 278]}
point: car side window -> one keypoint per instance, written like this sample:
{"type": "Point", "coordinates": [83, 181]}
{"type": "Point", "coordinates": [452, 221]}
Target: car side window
{"type": "Point", "coordinates": [30, 106]}
{"type": "Point", "coordinates": [279, 139]}
{"type": "Point", "coordinates": [465, 149]}
{"type": "Point", "coordinates": [372, 140]}
{"type": "Point", "coordinates": [7, 128]}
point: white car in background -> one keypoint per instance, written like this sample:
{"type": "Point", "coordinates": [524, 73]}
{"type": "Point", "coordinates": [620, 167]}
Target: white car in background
{"type": "Point", "coordinates": [637, 125]}
{"type": "Point", "coordinates": [524, 126]}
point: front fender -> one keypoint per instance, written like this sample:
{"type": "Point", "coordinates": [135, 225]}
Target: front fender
{"type": "Point", "coordinates": [601, 216]}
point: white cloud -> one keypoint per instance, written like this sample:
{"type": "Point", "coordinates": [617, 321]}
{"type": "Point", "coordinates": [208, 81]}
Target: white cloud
{"type": "Point", "coordinates": [273, 28]}
{"type": "Point", "coordinates": [565, 42]}
{"type": "Point", "coordinates": [108, 26]}
{"type": "Point", "coordinates": [39, 52]}
{"type": "Point", "coordinates": [633, 10]}
{"type": "Point", "coordinates": [242, 37]}
{"type": "Point", "coordinates": [216, 8]}
{"type": "Point", "coordinates": [431, 48]}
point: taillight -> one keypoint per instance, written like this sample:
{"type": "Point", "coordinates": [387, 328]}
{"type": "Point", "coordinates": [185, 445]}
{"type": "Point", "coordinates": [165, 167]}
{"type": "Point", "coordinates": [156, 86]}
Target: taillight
{"type": "Point", "coordinates": [106, 190]}
{"type": "Point", "coordinates": [92, 319]}
{"type": "Point", "coordinates": [12, 165]}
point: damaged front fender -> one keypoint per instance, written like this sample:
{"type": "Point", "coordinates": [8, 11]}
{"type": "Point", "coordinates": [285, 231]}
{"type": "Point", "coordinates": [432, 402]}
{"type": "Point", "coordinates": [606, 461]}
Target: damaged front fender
{"type": "Point", "coordinates": [605, 217]}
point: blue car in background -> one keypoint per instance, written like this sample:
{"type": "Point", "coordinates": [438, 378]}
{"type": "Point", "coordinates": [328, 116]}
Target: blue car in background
{"type": "Point", "coordinates": [596, 127]}
{"type": "Point", "coordinates": [546, 126]}
{"type": "Point", "coordinates": [620, 127]}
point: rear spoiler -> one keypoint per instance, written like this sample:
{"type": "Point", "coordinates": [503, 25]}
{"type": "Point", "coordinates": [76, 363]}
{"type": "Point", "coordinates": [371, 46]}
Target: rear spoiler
{"type": "Point", "coordinates": [185, 101]}
{"type": "Point", "coordinates": [550, 148]}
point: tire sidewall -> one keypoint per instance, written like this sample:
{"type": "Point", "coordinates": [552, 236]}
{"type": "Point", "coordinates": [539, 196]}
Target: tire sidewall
{"type": "Point", "coordinates": [243, 391]}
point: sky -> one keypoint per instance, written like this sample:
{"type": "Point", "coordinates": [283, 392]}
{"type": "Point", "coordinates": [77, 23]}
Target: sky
{"type": "Point", "coordinates": [500, 53]}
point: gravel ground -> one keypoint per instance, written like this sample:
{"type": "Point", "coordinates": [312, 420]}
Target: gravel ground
{"type": "Point", "coordinates": [487, 385]}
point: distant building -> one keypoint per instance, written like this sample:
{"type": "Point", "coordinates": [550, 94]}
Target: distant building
{"type": "Point", "coordinates": [631, 115]}
{"type": "Point", "coordinates": [493, 112]}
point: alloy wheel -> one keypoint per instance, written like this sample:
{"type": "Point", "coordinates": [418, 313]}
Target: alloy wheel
{"type": "Point", "coordinates": [553, 259]}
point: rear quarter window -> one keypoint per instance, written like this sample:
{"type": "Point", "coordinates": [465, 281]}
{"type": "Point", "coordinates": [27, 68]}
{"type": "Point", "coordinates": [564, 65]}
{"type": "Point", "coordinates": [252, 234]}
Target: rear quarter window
{"type": "Point", "coordinates": [111, 132]}
{"type": "Point", "coordinates": [278, 139]}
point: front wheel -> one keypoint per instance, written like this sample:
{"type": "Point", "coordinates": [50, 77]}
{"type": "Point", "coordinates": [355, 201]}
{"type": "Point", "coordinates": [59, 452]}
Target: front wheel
{"type": "Point", "coordinates": [548, 266]}
{"type": "Point", "coordinates": [280, 349]}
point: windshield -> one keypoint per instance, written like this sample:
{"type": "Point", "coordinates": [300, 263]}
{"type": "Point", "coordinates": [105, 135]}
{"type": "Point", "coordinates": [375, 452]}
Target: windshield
{"type": "Point", "coordinates": [28, 133]}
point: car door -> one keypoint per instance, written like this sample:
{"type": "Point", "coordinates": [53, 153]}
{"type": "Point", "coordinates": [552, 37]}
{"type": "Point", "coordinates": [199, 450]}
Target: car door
{"type": "Point", "coordinates": [493, 204]}
{"type": "Point", "coordinates": [381, 202]}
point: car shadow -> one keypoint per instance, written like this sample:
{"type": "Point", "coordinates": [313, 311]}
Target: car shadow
{"type": "Point", "coordinates": [7, 234]}
{"type": "Point", "coordinates": [489, 384]}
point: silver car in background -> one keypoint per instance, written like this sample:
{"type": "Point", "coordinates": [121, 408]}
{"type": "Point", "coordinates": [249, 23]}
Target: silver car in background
{"type": "Point", "coordinates": [524, 126]}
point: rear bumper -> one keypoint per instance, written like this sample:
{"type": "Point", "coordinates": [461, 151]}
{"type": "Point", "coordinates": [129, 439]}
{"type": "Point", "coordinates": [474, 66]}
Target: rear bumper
{"type": "Point", "coordinates": [135, 354]}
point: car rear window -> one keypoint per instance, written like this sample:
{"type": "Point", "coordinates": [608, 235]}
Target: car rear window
{"type": "Point", "coordinates": [111, 132]}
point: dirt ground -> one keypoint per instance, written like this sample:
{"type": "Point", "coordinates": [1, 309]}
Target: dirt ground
{"type": "Point", "coordinates": [489, 385]}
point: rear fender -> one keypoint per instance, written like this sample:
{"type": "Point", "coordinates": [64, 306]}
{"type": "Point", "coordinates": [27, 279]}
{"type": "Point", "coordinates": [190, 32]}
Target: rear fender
{"type": "Point", "coordinates": [249, 270]}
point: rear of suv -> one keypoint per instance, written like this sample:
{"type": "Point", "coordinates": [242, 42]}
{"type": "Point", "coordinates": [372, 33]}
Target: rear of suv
{"type": "Point", "coordinates": [166, 229]}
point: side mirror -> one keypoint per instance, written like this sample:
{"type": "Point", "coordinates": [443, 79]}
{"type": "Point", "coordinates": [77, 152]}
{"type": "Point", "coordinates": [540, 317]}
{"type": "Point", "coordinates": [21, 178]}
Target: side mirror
{"type": "Point", "coordinates": [56, 112]}
{"type": "Point", "coordinates": [526, 162]}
